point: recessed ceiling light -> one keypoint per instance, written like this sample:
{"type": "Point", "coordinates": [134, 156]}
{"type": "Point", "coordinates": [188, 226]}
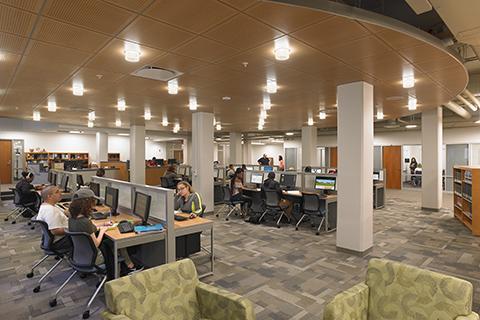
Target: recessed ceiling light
{"type": "Point", "coordinates": [379, 115]}
{"type": "Point", "coordinates": [226, 98]}
{"type": "Point", "coordinates": [408, 79]}
{"type": "Point", "coordinates": [412, 103]}
{"type": "Point", "coordinates": [52, 105]}
{"type": "Point", "coordinates": [147, 138]}
{"type": "Point", "coordinates": [478, 121]}
{"type": "Point", "coordinates": [176, 128]}
{"type": "Point", "coordinates": [77, 88]}
{"type": "Point", "coordinates": [91, 116]}
{"type": "Point", "coordinates": [289, 133]}
{"type": "Point", "coordinates": [36, 116]}
{"type": "Point", "coordinates": [310, 121]}
{"type": "Point", "coordinates": [121, 104]}
{"type": "Point", "coordinates": [411, 126]}
{"type": "Point", "coordinates": [124, 134]}
{"type": "Point", "coordinates": [322, 115]}
{"type": "Point", "coordinates": [132, 52]}
{"type": "Point", "coordinates": [218, 127]}
{"type": "Point", "coordinates": [260, 126]}
{"type": "Point", "coordinates": [192, 105]}
{"type": "Point", "coordinates": [165, 122]}
{"type": "Point", "coordinates": [282, 49]}
{"type": "Point", "coordinates": [263, 114]}
{"type": "Point", "coordinates": [90, 124]}
{"type": "Point", "coordinates": [271, 85]}
{"type": "Point", "coordinates": [75, 131]}
{"type": "Point", "coordinates": [172, 86]}
{"type": "Point", "coordinates": [147, 115]}
{"type": "Point", "coordinates": [118, 123]}
{"type": "Point", "coordinates": [267, 104]}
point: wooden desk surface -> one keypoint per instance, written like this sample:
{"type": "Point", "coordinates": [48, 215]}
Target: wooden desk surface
{"type": "Point", "coordinates": [114, 233]}
{"type": "Point", "coordinates": [190, 222]}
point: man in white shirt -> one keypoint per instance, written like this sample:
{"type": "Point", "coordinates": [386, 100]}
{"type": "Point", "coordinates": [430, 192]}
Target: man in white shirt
{"type": "Point", "coordinates": [55, 218]}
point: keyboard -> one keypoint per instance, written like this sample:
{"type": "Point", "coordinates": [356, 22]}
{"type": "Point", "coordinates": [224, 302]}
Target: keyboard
{"type": "Point", "coordinates": [180, 218]}
{"type": "Point", "coordinates": [99, 215]}
{"type": "Point", "coordinates": [125, 227]}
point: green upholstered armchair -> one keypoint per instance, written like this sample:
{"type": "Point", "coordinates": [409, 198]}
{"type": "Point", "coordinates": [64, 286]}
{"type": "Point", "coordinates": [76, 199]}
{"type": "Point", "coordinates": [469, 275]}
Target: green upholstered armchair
{"type": "Point", "coordinates": [397, 291]}
{"type": "Point", "coordinates": [172, 292]}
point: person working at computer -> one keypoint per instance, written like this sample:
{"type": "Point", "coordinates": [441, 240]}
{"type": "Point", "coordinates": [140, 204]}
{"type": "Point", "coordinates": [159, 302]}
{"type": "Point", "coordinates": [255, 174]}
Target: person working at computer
{"type": "Point", "coordinates": [55, 218]}
{"type": "Point", "coordinates": [80, 210]}
{"type": "Point", "coordinates": [187, 200]}
{"type": "Point", "coordinates": [236, 189]}
{"type": "Point", "coordinates": [171, 175]}
{"type": "Point", "coordinates": [271, 185]}
{"type": "Point", "coordinates": [28, 196]}
{"type": "Point", "coordinates": [264, 161]}
{"type": "Point", "coordinates": [281, 163]}
{"type": "Point", "coordinates": [100, 172]}
{"type": "Point", "coordinates": [230, 171]}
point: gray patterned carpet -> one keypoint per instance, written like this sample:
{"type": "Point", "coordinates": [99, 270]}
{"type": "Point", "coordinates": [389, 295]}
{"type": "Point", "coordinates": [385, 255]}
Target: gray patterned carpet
{"type": "Point", "coordinates": [288, 274]}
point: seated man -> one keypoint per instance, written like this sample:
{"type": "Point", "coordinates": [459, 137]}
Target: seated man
{"type": "Point", "coordinates": [28, 195]}
{"type": "Point", "coordinates": [271, 184]}
{"type": "Point", "coordinates": [57, 220]}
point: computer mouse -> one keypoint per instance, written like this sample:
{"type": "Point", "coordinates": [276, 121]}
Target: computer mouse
{"type": "Point", "coordinates": [94, 210]}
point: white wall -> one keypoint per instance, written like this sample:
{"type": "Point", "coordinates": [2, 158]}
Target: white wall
{"type": "Point", "coordinates": [271, 150]}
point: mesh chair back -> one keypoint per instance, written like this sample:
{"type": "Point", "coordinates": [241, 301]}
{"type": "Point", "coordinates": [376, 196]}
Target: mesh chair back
{"type": "Point", "coordinates": [164, 182]}
{"type": "Point", "coordinates": [226, 194]}
{"type": "Point", "coordinates": [47, 236]}
{"type": "Point", "coordinates": [84, 252]}
{"type": "Point", "coordinates": [272, 198]}
{"type": "Point", "coordinates": [311, 202]}
{"type": "Point", "coordinates": [16, 197]}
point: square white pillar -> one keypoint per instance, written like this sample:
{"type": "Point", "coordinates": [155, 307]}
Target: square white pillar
{"type": "Point", "coordinates": [137, 154]}
{"type": "Point", "coordinates": [236, 156]}
{"type": "Point", "coordinates": [102, 146]}
{"type": "Point", "coordinates": [187, 151]}
{"type": "Point", "coordinates": [309, 146]}
{"type": "Point", "coordinates": [432, 136]}
{"type": "Point", "coordinates": [202, 156]}
{"type": "Point", "coordinates": [355, 166]}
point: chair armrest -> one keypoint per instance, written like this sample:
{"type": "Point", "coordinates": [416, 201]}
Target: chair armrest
{"type": "Point", "coordinates": [110, 316]}
{"type": "Point", "coordinates": [471, 316]}
{"type": "Point", "coordinates": [219, 304]}
{"type": "Point", "coordinates": [350, 304]}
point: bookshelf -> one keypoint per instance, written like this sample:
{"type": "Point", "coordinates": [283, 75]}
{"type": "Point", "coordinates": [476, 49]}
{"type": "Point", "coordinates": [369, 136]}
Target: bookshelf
{"type": "Point", "coordinates": [49, 158]}
{"type": "Point", "coordinates": [114, 157]}
{"type": "Point", "coordinates": [466, 197]}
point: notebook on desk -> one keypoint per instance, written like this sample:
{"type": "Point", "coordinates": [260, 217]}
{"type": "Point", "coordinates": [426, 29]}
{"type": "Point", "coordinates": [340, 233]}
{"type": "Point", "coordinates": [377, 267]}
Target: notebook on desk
{"type": "Point", "coordinates": [153, 228]}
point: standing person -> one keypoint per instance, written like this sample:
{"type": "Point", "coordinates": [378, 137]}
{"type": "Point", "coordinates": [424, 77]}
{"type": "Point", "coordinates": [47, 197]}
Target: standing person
{"type": "Point", "coordinates": [281, 163]}
{"type": "Point", "coordinates": [264, 161]}
{"type": "Point", "coordinates": [187, 200]}
{"type": "Point", "coordinates": [230, 171]}
{"type": "Point", "coordinates": [413, 165]}
{"type": "Point", "coordinates": [56, 220]}
{"type": "Point", "coordinates": [271, 185]}
{"type": "Point", "coordinates": [236, 189]}
{"type": "Point", "coordinates": [27, 193]}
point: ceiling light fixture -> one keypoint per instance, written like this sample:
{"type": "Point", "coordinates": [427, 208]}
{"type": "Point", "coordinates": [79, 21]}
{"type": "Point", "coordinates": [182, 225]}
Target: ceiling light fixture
{"type": "Point", "coordinates": [289, 133]}
{"type": "Point", "coordinates": [77, 89]}
{"type": "Point", "coordinates": [121, 104]}
{"type": "Point", "coordinates": [408, 79]}
{"type": "Point", "coordinates": [226, 98]}
{"type": "Point", "coordinates": [322, 115]}
{"type": "Point", "coordinates": [411, 126]}
{"type": "Point", "coordinates": [132, 52]}
{"type": "Point", "coordinates": [412, 103]}
{"type": "Point", "coordinates": [172, 86]}
{"type": "Point", "coordinates": [267, 104]}
{"type": "Point", "coordinates": [124, 134]}
{"type": "Point", "coordinates": [193, 103]}
{"type": "Point", "coordinates": [75, 131]}
{"type": "Point", "coordinates": [263, 114]}
{"type": "Point", "coordinates": [36, 116]}
{"type": "Point", "coordinates": [52, 105]}
{"type": "Point", "coordinates": [478, 121]}
{"type": "Point", "coordinates": [90, 124]}
{"type": "Point", "coordinates": [379, 115]}
{"type": "Point", "coordinates": [310, 121]}
{"type": "Point", "coordinates": [260, 126]}
{"type": "Point", "coordinates": [282, 49]}
{"type": "Point", "coordinates": [118, 123]}
{"type": "Point", "coordinates": [176, 128]}
{"type": "Point", "coordinates": [164, 121]}
{"type": "Point", "coordinates": [218, 126]}
{"type": "Point", "coordinates": [91, 116]}
{"type": "Point", "coordinates": [271, 85]}
{"type": "Point", "coordinates": [147, 115]}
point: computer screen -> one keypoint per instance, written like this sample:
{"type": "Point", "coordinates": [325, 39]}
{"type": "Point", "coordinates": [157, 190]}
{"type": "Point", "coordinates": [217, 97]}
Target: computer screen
{"type": "Point", "coordinates": [250, 168]}
{"type": "Point", "coordinates": [267, 168]}
{"type": "Point", "coordinates": [256, 178]}
{"type": "Point", "coordinates": [171, 161]}
{"type": "Point", "coordinates": [376, 176]}
{"type": "Point", "coordinates": [141, 206]}
{"type": "Point", "coordinates": [95, 187]}
{"type": "Point", "coordinates": [64, 183]}
{"type": "Point", "coordinates": [325, 183]}
{"type": "Point", "coordinates": [79, 180]}
{"type": "Point", "coordinates": [159, 162]}
{"type": "Point", "coordinates": [288, 180]}
{"type": "Point", "coordinates": [111, 199]}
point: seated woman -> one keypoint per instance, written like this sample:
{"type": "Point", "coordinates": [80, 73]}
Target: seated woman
{"type": "Point", "coordinates": [236, 189]}
{"type": "Point", "coordinates": [187, 200]}
{"type": "Point", "coordinates": [80, 210]}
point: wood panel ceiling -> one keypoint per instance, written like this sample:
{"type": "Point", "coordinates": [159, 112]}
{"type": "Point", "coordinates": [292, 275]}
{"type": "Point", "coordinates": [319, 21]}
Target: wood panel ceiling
{"type": "Point", "coordinates": [221, 48]}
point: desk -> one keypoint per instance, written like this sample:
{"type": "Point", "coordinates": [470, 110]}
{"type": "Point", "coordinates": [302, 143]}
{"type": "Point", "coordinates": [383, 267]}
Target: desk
{"type": "Point", "coordinates": [378, 195]}
{"type": "Point", "coordinates": [195, 225]}
{"type": "Point", "coordinates": [125, 240]}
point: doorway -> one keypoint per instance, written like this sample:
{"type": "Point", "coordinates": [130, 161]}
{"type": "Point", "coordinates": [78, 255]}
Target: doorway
{"type": "Point", "coordinates": [178, 155]}
{"type": "Point", "coordinates": [392, 163]}
{"type": "Point", "coordinates": [5, 161]}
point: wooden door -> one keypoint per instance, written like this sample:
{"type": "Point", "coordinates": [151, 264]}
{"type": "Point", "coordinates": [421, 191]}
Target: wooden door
{"type": "Point", "coordinates": [333, 157]}
{"type": "Point", "coordinates": [178, 155]}
{"type": "Point", "coordinates": [392, 163]}
{"type": "Point", "coordinates": [5, 161]}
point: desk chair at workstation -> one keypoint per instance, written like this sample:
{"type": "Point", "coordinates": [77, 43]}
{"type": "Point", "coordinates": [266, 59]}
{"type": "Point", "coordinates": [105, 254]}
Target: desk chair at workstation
{"type": "Point", "coordinates": [22, 208]}
{"type": "Point", "coordinates": [80, 182]}
{"type": "Point", "coordinates": [272, 203]}
{"type": "Point", "coordinates": [229, 203]}
{"type": "Point", "coordinates": [312, 207]}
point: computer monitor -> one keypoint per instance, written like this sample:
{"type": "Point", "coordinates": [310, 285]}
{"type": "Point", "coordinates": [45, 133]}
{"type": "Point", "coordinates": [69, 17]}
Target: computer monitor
{"type": "Point", "coordinates": [54, 179]}
{"type": "Point", "coordinates": [256, 178]}
{"type": "Point", "coordinates": [141, 206]}
{"type": "Point", "coordinates": [80, 181]}
{"type": "Point", "coordinates": [111, 199]}
{"type": "Point", "coordinates": [267, 168]}
{"type": "Point", "coordinates": [325, 183]}
{"type": "Point", "coordinates": [64, 183]}
{"type": "Point", "coordinates": [159, 162]}
{"type": "Point", "coordinates": [376, 176]}
{"type": "Point", "coordinates": [95, 187]}
{"type": "Point", "coordinates": [288, 180]}
{"type": "Point", "coordinates": [171, 161]}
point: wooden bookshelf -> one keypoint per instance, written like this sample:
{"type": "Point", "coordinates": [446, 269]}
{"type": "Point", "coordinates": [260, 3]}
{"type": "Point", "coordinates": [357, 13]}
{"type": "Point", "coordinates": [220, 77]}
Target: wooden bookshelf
{"type": "Point", "coordinates": [49, 158]}
{"type": "Point", "coordinates": [466, 197]}
{"type": "Point", "coordinates": [114, 157]}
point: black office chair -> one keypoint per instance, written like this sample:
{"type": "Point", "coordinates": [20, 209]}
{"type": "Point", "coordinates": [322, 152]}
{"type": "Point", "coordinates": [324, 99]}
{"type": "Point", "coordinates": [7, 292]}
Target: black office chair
{"type": "Point", "coordinates": [229, 203]}
{"type": "Point", "coordinates": [21, 209]}
{"type": "Point", "coordinates": [82, 259]}
{"type": "Point", "coordinates": [47, 245]}
{"type": "Point", "coordinates": [312, 207]}
{"type": "Point", "coordinates": [204, 207]}
{"type": "Point", "coordinates": [168, 183]}
{"type": "Point", "coordinates": [272, 203]}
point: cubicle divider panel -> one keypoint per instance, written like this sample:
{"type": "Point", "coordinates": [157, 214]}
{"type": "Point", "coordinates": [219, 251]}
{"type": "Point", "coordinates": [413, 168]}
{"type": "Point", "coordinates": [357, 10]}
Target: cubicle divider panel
{"type": "Point", "coordinates": [308, 181]}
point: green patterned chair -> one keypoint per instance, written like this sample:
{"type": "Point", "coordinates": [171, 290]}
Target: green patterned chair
{"type": "Point", "coordinates": [172, 292]}
{"type": "Point", "coordinates": [397, 291]}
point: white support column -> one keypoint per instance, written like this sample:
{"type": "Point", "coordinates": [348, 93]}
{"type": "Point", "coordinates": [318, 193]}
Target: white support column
{"type": "Point", "coordinates": [102, 146]}
{"type": "Point", "coordinates": [309, 146]}
{"type": "Point", "coordinates": [247, 159]}
{"type": "Point", "coordinates": [432, 136]}
{"type": "Point", "coordinates": [187, 151]}
{"type": "Point", "coordinates": [202, 156]}
{"type": "Point", "coordinates": [235, 148]}
{"type": "Point", "coordinates": [355, 166]}
{"type": "Point", "coordinates": [137, 154]}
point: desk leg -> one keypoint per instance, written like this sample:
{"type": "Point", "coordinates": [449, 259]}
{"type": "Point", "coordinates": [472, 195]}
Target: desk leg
{"type": "Point", "coordinates": [212, 255]}
{"type": "Point", "coordinates": [326, 216]}
{"type": "Point", "coordinates": [115, 260]}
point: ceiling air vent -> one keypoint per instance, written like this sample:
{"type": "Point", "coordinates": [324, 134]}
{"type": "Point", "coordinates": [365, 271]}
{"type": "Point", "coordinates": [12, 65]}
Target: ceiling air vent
{"type": "Point", "coordinates": [156, 73]}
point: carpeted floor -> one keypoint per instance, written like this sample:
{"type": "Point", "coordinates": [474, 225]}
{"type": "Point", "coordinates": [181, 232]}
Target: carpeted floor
{"type": "Point", "coordinates": [288, 274]}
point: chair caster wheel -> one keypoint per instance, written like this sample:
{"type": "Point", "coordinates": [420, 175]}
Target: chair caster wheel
{"type": "Point", "coordinates": [52, 303]}
{"type": "Point", "coordinates": [278, 227]}
{"type": "Point", "coordinates": [30, 275]}
{"type": "Point", "coordinates": [57, 258]}
{"type": "Point", "coordinates": [83, 275]}
{"type": "Point", "coordinates": [86, 315]}
{"type": "Point", "coordinates": [236, 214]}
{"type": "Point", "coordinates": [216, 215]}
{"type": "Point", "coordinates": [226, 219]}
{"type": "Point", "coordinates": [13, 222]}
{"type": "Point", "coordinates": [317, 233]}
{"type": "Point", "coordinates": [6, 219]}
{"type": "Point", "coordinates": [36, 289]}
{"type": "Point", "coordinates": [29, 223]}
{"type": "Point", "coordinates": [32, 228]}
{"type": "Point", "coordinates": [296, 229]}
